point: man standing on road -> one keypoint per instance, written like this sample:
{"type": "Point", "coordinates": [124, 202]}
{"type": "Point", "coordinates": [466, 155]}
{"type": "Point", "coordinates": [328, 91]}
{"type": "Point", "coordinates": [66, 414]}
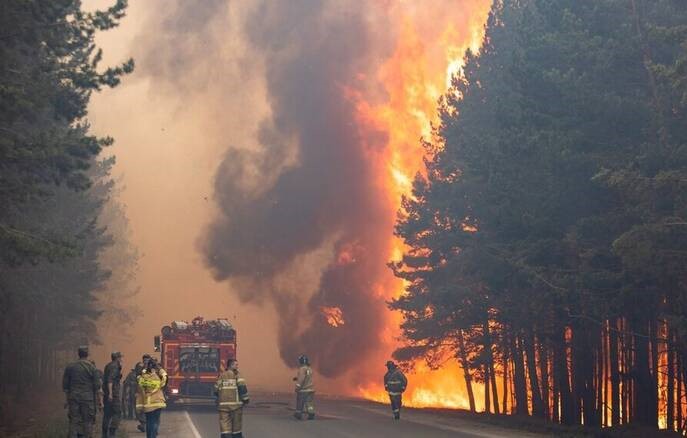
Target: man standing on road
{"type": "Point", "coordinates": [395, 383]}
{"type": "Point", "coordinates": [81, 385]}
{"type": "Point", "coordinates": [112, 395]}
{"type": "Point", "coordinates": [138, 370]}
{"type": "Point", "coordinates": [129, 395]}
{"type": "Point", "coordinates": [232, 395]}
{"type": "Point", "coordinates": [305, 390]}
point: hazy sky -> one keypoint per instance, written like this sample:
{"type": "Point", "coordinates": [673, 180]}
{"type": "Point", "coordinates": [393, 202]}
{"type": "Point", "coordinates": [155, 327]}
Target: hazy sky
{"type": "Point", "coordinates": [168, 149]}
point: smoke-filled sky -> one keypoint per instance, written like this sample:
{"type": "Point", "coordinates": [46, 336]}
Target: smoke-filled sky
{"type": "Point", "coordinates": [253, 187]}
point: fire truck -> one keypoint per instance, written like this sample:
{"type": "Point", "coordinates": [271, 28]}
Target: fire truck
{"type": "Point", "coordinates": [193, 354]}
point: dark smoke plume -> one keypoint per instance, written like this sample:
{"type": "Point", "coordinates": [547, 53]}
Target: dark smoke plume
{"type": "Point", "coordinates": [300, 223]}
{"type": "Point", "coordinates": [313, 53]}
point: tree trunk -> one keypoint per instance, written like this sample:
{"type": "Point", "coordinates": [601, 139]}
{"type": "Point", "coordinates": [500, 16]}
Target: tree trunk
{"type": "Point", "coordinates": [642, 391]}
{"type": "Point", "coordinates": [519, 378]}
{"type": "Point", "coordinates": [487, 397]}
{"type": "Point", "coordinates": [506, 390]}
{"type": "Point", "coordinates": [537, 403]}
{"type": "Point", "coordinates": [488, 344]}
{"type": "Point", "coordinates": [653, 395]}
{"type": "Point", "coordinates": [462, 356]}
{"type": "Point", "coordinates": [678, 405]}
{"type": "Point", "coordinates": [670, 402]}
{"type": "Point", "coordinates": [615, 375]}
{"type": "Point", "coordinates": [600, 352]}
{"type": "Point", "coordinates": [563, 380]}
{"type": "Point", "coordinates": [544, 371]}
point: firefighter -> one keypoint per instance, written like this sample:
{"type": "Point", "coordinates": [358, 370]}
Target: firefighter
{"type": "Point", "coordinates": [138, 369]}
{"type": "Point", "coordinates": [395, 383]}
{"type": "Point", "coordinates": [150, 399]}
{"type": "Point", "coordinates": [232, 395]}
{"type": "Point", "coordinates": [305, 390]}
{"type": "Point", "coordinates": [112, 395]}
{"type": "Point", "coordinates": [82, 386]}
{"type": "Point", "coordinates": [129, 395]}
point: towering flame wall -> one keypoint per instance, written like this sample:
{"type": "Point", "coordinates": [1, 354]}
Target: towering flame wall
{"type": "Point", "coordinates": [306, 214]}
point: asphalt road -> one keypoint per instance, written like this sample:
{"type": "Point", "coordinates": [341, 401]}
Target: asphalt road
{"type": "Point", "coordinates": [273, 417]}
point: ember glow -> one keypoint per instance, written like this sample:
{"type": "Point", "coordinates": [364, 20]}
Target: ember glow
{"type": "Point", "coordinates": [333, 315]}
{"type": "Point", "coordinates": [416, 76]}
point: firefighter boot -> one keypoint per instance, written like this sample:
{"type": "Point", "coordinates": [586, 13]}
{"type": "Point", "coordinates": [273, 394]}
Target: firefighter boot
{"type": "Point", "coordinates": [225, 435]}
{"type": "Point", "coordinates": [113, 432]}
{"type": "Point", "coordinates": [298, 415]}
{"type": "Point", "coordinates": [237, 435]}
{"type": "Point", "coordinates": [397, 415]}
{"type": "Point", "coordinates": [311, 416]}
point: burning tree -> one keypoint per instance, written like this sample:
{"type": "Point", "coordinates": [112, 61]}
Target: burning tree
{"type": "Point", "coordinates": [547, 230]}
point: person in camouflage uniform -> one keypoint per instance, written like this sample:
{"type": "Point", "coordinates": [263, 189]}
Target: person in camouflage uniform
{"type": "Point", "coordinates": [112, 395]}
{"type": "Point", "coordinates": [82, 387]}
{"type": "Point", "coordinates": [129, 395]}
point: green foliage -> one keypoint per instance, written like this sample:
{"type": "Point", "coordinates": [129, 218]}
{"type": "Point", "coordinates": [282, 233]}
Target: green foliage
{"type": "Point", "coordinates": [48, 69]}
{"type": "Point", "coordinates": [55, 190]}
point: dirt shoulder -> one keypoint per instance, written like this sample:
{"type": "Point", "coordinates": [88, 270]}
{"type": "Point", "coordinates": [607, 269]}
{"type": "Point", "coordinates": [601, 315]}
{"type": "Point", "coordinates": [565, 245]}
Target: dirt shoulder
{"type": "Point", "coordinates": [545, 428]}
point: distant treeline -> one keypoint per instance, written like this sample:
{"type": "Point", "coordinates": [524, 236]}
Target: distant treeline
{"type": "Point", "coordinates": [59, 231]}
{"type": "Point", "coordinates": [548, 236]}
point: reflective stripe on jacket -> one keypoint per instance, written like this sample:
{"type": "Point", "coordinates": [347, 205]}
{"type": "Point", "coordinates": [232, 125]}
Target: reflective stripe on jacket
{"type": "Point", "coordinates": [231, 390]}
{"type": "Point", "coordinates": [304, 380]}
{"type": "Point", "coordinates": [150, 395]}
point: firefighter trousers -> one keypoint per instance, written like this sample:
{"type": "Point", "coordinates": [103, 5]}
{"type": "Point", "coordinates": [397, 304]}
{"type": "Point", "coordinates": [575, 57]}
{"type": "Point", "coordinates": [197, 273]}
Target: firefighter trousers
{"type": "Point", "coordinates": [396, 403]}
{"type": "Point", "coordinates": [305, 403]}
{"type": "Point", "coordinates": [231, 421]}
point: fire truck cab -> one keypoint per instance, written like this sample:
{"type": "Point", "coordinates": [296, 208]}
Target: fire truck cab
{"type": "Point", "coordinates": [193, 354]}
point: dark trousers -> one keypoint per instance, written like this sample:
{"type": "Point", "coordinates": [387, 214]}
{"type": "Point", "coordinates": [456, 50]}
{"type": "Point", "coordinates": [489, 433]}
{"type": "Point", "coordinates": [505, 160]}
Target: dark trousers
{"type": "Point", "coordinates": [141, 417]}
{"type": "Point", "coordinates": [153, 423]}
{"type": "Point", "coordinates": [396, 403]}
{"type": "Point", "coordinates": [81, 418]}
{"type": "Point", "coordinates": [112, 415]}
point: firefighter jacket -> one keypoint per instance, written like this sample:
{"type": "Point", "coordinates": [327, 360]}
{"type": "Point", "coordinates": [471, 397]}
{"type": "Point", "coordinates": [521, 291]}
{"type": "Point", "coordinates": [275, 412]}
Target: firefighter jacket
{"type": "Point", "coordinates": [81, 380]}
{"type": "Point", "coordinates": [150, 395]}
{"type": "Point", "coordinates": [304, 381]}
{"type": "Point", "coordinates": [395, 382]}
{"type": "Point", "coordinates": [231, 391]}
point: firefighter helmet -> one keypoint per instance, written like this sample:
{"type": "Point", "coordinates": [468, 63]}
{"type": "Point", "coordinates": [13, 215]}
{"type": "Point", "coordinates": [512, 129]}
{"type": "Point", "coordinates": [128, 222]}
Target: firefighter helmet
{"type": "Point", "coordinates": [303, 359]}
{"type": "Point", "coordinates": [390, 364]}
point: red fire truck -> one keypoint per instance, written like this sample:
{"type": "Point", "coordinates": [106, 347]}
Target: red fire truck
{"type": "Point", "coordinates": [193, 354]}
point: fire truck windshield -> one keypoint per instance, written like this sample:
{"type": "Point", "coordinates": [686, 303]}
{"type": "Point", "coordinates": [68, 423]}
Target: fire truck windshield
{"type": "Point", "coordinates": [199, 360]}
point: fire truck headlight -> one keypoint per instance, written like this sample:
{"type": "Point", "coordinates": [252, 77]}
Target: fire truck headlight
{"type": "Point", "coordinates": [175, 391]}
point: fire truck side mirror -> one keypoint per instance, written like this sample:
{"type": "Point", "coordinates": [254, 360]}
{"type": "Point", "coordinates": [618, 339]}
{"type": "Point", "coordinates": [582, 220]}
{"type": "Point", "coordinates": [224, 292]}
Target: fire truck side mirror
{"type": "Point", "coordinates": [156, 343]}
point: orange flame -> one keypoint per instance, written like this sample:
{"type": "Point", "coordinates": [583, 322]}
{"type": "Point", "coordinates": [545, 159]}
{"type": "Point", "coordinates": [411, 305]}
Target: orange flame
{"type": "Point", "coordinates": [418, 73]}
{"type": "Point", "coordinates": [333, 315]}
